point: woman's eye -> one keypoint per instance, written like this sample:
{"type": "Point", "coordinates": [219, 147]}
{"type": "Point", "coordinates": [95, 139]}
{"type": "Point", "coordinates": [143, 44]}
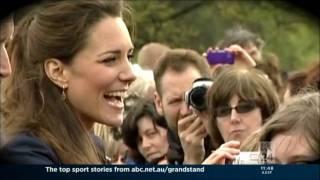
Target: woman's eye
{"type": "Point", "coordinates": [130, 57]}
{"type": "Point", "coordinates": [109, 60]}
{"type": "Point", "coordinates": [151, 134]}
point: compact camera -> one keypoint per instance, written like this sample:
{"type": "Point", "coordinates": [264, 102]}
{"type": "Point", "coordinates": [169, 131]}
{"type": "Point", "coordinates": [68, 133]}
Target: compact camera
{"type": "Point", "coordinates": [248, 158]}
{"type": "Point", "coordinates": [263, 156]}
{"type": "Point", "coordinates": [220, 57]}
{"type": "Point", "coordinates": [196, 97]}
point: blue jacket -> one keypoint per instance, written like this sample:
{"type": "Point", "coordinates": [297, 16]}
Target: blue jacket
{"type": "Point", "coordinates": [27, 149]}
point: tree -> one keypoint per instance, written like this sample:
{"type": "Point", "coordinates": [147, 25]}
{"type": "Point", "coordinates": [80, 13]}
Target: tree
{"type": "Point", "coordinates": [290, 33]}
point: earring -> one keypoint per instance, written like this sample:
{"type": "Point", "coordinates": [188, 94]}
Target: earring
{"type": "Point", "coordinates": [63, 95]}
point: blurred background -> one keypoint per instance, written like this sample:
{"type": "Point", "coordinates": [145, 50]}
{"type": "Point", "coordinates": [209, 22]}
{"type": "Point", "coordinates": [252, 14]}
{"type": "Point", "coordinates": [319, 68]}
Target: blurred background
{"type": "Point", "coordinates": [288, 31]}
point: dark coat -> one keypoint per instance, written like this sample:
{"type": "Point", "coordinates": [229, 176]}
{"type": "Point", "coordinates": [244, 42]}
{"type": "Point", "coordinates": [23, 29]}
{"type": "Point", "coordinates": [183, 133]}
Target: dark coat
{"type": "Point", "coordinates": [26, 148]}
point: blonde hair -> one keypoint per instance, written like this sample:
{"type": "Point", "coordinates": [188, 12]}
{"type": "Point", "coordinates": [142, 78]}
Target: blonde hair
{"type": "Point", "coordinates": [251, 143]}
{"type": "Point", "coordinates": [301, 114]}
{"type": "Point", "coordinates": [111, 138]}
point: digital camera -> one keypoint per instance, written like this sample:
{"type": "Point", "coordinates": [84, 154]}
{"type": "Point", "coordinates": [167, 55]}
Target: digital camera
{"type": "Point", "coordinates": [263, 156]}
{"type": "Point", "coordinates": [248, 158]}
{"type": "Point", "coordinates": [196, 97]}
{"type": "Point", "coordinates": [220, 57]}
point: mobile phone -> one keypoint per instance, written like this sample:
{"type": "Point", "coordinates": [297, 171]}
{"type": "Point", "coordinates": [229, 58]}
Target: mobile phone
{"type": "Point", "coordinates": [220, 57]}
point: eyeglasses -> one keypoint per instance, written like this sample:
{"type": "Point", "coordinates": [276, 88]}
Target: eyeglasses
{"type": "Point", "coordinates": [242, 107]}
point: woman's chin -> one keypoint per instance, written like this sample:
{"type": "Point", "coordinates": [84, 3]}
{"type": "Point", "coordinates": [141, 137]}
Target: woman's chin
{"type": "Point", "coordinates": [115, 121]}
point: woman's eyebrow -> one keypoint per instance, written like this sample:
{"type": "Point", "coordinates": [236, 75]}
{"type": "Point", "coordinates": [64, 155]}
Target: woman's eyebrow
{"type": "Point", "coordinates": [116, 51]}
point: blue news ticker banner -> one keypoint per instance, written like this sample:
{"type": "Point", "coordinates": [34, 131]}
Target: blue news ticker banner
{"type": "Point", "coordinates": [170, 172]}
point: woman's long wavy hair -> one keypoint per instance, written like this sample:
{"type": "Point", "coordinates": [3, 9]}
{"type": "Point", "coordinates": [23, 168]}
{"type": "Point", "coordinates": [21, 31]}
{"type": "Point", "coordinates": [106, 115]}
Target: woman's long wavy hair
{"type": "Point", "coordinates": [33, 103]}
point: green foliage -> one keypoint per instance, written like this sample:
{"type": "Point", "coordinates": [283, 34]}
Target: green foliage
{"type": "Point", "coordinates": [288, 32]}
{"type": "Point", "coordinates": [152, 23]}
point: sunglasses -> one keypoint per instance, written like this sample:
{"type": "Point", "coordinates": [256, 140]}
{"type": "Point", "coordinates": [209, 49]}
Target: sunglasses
{"type": "Point", "coordinates": [242, 107]}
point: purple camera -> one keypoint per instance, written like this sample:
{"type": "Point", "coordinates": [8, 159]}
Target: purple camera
{"type": "Point", "coordinates": [220, 57]}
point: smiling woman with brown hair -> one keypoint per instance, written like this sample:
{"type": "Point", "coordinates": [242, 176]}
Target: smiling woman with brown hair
{"type": "Point", "coordinates": [72, 69]}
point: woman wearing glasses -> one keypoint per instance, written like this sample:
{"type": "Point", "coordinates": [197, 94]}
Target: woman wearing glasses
{"type": "Point", "coordinates": [239, 103]}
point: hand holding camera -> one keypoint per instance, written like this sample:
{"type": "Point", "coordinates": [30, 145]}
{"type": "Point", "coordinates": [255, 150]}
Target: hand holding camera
{"type": "Point", "coordinates": [241, 55]}
{"type": "Point", "coordinates": [225, 153]}
{"type": "Point", "coordinates": [229, 153]}
{"type": "Point", "coordinates": [191, 132]}
{"type": "Point", "coordinates": [262, 156]}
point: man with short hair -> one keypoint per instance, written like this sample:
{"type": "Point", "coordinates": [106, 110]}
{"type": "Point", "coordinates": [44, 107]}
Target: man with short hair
{"type": "Point", "coordinates": [174, 75]}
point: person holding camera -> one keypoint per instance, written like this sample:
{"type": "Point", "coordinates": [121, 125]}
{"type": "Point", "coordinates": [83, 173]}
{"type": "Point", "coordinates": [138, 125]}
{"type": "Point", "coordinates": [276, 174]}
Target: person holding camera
{"type": "Point", "coordinates": [252, 45]}
{"type": "Point", "coordinates": [174, 75]}
{"type": "Point", "coordinates": [239, 102]}
{"type": "Point", "coordinates": [249, 41]}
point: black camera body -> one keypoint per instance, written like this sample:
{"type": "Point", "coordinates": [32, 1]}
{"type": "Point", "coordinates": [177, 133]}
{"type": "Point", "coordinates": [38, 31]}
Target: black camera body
{"type": "Point", "coordinates": [196, 96]}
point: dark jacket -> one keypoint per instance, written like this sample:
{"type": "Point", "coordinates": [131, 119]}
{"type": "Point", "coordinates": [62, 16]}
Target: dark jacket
{"type": "Point", "coordinates": [26, 148]}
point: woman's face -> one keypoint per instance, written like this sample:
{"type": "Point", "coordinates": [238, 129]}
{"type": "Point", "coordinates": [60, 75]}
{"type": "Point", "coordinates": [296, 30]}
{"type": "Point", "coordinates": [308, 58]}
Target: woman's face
{"type": "Point", "coordinates": [6, 31]}
{"type": "Point", "coordinates": [153, 142]}
{"type": "Point", "coordinates": [240, 122]}
{"type": "Point", "coordinates": [291, 148]}
{"type": "Point", "coordinates": [100, 74]}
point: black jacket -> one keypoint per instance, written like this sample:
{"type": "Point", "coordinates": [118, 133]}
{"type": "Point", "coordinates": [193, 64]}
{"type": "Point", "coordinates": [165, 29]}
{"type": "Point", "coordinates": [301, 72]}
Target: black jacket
{"type": "Point", "coordinates": [26, 148]}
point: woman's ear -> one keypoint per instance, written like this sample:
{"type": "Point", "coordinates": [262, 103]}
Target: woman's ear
{"type": "Point", "coordinates": [56, 71]}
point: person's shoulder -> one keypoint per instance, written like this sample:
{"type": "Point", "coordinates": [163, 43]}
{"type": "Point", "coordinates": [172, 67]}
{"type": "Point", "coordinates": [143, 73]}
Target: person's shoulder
{"type": "Point", "coordinates": [27, 149]}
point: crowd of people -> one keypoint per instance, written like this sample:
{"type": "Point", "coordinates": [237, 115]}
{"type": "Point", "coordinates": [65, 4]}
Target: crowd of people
{"type": "Point", "coordinates": [70, 95]}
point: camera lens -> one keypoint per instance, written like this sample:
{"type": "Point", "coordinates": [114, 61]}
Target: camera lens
{"type": "Point", "coordinates": [197, 97]}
